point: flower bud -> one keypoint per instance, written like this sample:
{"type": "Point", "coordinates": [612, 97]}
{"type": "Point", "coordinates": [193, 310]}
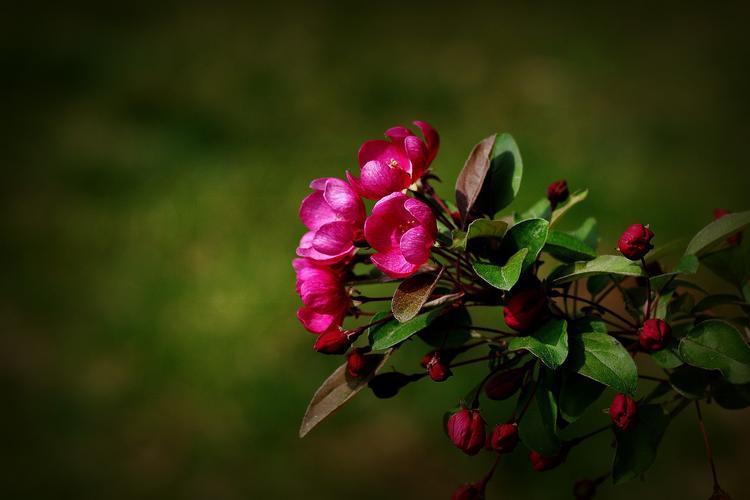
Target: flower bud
{"type": "Point", "coordinates": [525, 309]}
{"type": "Point", "coordinates": [504, 384]}
{"type": "Point", "coordinates": [436, 364]}
{"type": "Point", "coordinates": [386, 385]}
{"type": "Point", "coordinates": [504, 438]}
{"type": "Point", "coordinates": [542, 463]}
{"type": "Point", "coordinates": [635, 242]}
{"type": "Point", "coordinates": [654, 334]}
{"type": "Point", "coordinates": [469, 491]}
{"type": "Point", "coordinates": [358, 364]}
{"type": "Point", "coordinates": [557, 192]}
{"type": "Point", "coordinates": [466, 430]}
{"type": "Point", "coordinates": [334, 341]}
{"type": "Point", "coordinates": [736, 238]}
{"type": "Point", "coordinates": [623, 411]}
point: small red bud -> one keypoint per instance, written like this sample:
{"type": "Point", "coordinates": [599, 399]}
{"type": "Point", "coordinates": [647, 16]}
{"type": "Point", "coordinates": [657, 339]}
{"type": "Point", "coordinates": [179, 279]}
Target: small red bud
{"type": "Point", "coordinates": [736, 238]}
{"type": "Point", "coordinates": [436, 364]}
{"type": "Point", "coordinates": [333, 341]}
{"type": "Point", "coordinates": [654, 334]}
{"type": "Point", "coordinates": [525, 309]}
{"type": "Point", "coordinates": [504, 438]}
{"type": "Point", "coordinates": [557, 192]}
{"type": "Point", "coordinates": [504, 384]}
{"type": "Point", "coordinates": [358, 364]}
{"type": "Point", "coordinates": [623, 411]}
{"type": "Point", "coordinates": [469, 491]}
{"type": "Point", "coordinates": [466, 430]}
{"type": "Point", "coordinates": [635, 242]}
{"type": "Point", "coordinates": [541, 463]}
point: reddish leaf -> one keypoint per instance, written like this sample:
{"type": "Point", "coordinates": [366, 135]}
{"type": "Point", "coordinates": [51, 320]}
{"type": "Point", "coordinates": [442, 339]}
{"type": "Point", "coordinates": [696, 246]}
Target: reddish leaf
{"type": "Point", "coordinates": [471, 178]}
{"type": "Point", "coordinates": [412, 294]}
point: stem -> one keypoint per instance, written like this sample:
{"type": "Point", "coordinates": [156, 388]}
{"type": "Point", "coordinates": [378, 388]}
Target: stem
{"type": "Point", "coordinates": [707, 444]}
{"type": "Point", "coordinates": [655, 379]}
{"type": "Point", "coordinates": [575, 299]}
{"type": "Point", "coordinates": [528, 402]}
{"type": "Point", "coordinates": [604, 294]}
{"type": "Point", "coordinates": [492, 330]}
{"type": "Point", "coordinates": [602, 308]}
{"type": "Point", "coordinates": [364, 300]}
{"type": "Point", "coordinates": [578, 440]}
{"type": "Point", "coordinates": [648, 289]}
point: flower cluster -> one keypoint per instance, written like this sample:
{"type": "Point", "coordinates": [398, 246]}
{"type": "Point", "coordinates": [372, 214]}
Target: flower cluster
{"type": "Point", "coordinates": [571, 327]}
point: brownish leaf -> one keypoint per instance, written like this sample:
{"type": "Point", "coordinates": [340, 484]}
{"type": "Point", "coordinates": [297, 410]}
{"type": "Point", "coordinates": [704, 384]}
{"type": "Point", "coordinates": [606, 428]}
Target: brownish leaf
{"type": "Point", "coordinates": [471, 178]}
{"type": "Point", "coordinates": [412, 293]}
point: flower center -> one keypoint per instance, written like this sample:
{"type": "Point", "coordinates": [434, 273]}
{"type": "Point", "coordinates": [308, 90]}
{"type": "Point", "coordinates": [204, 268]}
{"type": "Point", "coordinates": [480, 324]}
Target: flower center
{"type": "Point", "coordinates": [393, 163]}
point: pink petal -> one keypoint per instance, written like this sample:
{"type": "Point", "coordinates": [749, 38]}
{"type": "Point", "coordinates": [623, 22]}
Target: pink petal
{"type": "Point", "coordinates": [385, 152]}
{"type": "Point", "coordinates": [423, 214]}
{"type": "Point", "coordinates": [384, 227]}
{"type": "Point", "coordinates": [334, 238]}
{"type": "Point", "coordinates": [417, 153]}
{"type": "Point", "coordinates": [398, 133]}
{"type": "Point", "coordinates": [314, 211]}
{"type": "Point", "coordinates": [431, 137]}
{"type": "Point", "coordinates": [344, 200]}
{"type": "Point", "coordinates": [393, 264]}
{"type": "Point", "coordinates": [315, 322]}
{"type": "Point", "coordinates": [305, 249]}
{"type": "Point", "coordinates": [415, 245]}
{"type": "Point", "coordinates": [378, 180]}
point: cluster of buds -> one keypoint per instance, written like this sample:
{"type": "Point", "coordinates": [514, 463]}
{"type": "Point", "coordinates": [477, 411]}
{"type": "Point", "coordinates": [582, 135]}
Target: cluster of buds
{"type": "Point", "coordinates": [549, 339]}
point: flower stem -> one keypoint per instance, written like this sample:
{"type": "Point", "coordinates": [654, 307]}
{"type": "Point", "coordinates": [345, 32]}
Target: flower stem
{"type": "Point", "coordinates": [707, 444]}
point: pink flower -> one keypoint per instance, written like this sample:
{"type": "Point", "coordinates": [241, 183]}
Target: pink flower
{"type": "Point", "coordinates": [390, 166]}
{"type": "Point", "coordinates": [402, 231]}
{"type": "Point", "coordinates": [334, 215]}
{"type": "Point", "coordinates": [323, 294]}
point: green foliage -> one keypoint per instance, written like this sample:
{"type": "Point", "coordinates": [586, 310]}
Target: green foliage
{"type": "Point", "coordinates": [717, 231]}
{"type": "Point", "coordinates": [636, 448]}
{"type": "Point", "coordinates": [538, 427]}
{"type": "Point", "coordinates": [717, 345]}
{"type": "Point", "coordinates": [393, 332]}
{"type": "Point", "coordinates": [549, 343]}
{"type": "Point", "coordinates": [601, 357]}
{"type": "Point", "coordinates": [604, 264]}
{"type": "Point", "coordinates": [505, 276]}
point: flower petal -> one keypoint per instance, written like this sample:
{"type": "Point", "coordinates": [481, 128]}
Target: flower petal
{"type": "Point", "coordinates": [315, 322]}
{"type": "Point", "coordinates": [393, 264]}
{"type": "Point", "coordinates": [383, 226]}
{"type": "Point", "coordinates": [314, 211]}
{"type": "Point", "coordinates": [398, 133]}
{"type": "Point", "coordinates": [417, 153]}
{"type": "Point", "coordinates": [334, 238]}
{"type": "Point", "coordinates": [343, 200]}
{"type": "Point", "coordinates": [423, 214]}
{"type": "Point", "coordinates": [432, 139]}
{"type": "Point", "coordinates": [415, 245]}
{"type": "Point", "coordinates": [378, 180]}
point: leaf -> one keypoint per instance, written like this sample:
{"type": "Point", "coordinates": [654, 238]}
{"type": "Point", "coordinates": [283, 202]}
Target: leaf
{"type": "Point", "coordinates": [486, 228]}
{"type": "Point", "coordinates": [688, 264]}
{"type": "Point", "coordinates": [731, 264]}
{"type": "Point", "coordinates": [503, 178]}
{"type": "Point", "coordinates": [531, 234]}
{"type": "Point", "coordinates": [604, 264]}
{"type": "Point", "coordinates": [711, 301]}
{"type": "Point", "coordinates": [601, 357]}
{"type": "Point", "coordinates": [539, 210]}
{"type": "Point", "coordinates": [567, 248]}
{"type": "Point", "coordinates": [392, 332]}
{"type": "Point", "coordinates": [548, 343]}
{"type": "Point", "coordinates": [717, 231]}
{"type": "Point", "coordinates": [577, 394]}
{"type": "Point", "coordinates": [662, 306]}
{"type": "Point", "coordinates": [636, 448]}
{"type": "Point", "coordinates": [689, 381]}
{"type": "Point", "coordinates": [588, 232]}
{"type": "Point", "coordinates": [471, 178]}
{"type": "Point", "coordinates": [505, 276]}
{"type": "Point", "coordinates": [717, 345]}
{"type": "Point", "coordinates": [730, 396]}
{"type": "Point", "coordinates": [336, 390]}
{"type": "Point", "coordinates": [597, 283]}
{"type": "Point", "coordinates": [538, 427]}
{"type": "Point", "coordinates": [452, 329]}
{"type": "Point", "coordinates": [667, 357]}
{"type": "Point", "coordinates": [412, 294]}
{"type": "Point", "coordinates": [573, 200]}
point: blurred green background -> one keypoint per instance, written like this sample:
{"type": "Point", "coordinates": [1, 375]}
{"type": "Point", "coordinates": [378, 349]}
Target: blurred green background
{"type": "Point", "coordinates": [154, 159]}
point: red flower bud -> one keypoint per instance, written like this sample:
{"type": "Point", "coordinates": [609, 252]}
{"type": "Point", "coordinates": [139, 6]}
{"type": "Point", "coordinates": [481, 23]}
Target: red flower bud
{"type": "Point", "coordinates": [504, 438]}
{"type": "Point", "coordinates": [436, 364]}
{"type": "Point", "coordinates": [504, 384]}
{"type": "Point", "coordinates": [469, 491]}
{"type": "Point", "coordinates": [334, 341]}
{"type": "Point", "coordinates": [541, 463]}
{"type": "Point", "coordinates": [635, 242]}
{"type": "Point", "coordinates": [525, 309]}
{"type": "Point", "coordinates": [736, 238]}
{"type": "Point", "coordinates": [623, 411]}
{"type": "Point", "coordinates": [557, 192]}
{"type": "Point", "coordinates": [359, 365]}
{"type": "Point", "coordinates": [466, 430]}
{"type": "Point", "coordinates": [654, 334]}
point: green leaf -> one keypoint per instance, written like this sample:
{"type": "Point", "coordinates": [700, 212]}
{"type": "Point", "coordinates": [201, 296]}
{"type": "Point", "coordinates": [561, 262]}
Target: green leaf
{"type": "Point", "coordinates": [539, 210]}
{"type": "Point", "coordinates": [530, 234]}
{"type": "Point", "coordinates": [567, 248]}
{"type": "Point", "coordinates": [688, 264]}
{"type": "Point", "coordinates": [573, 200]}
{"type": "Point", "coordinates": [486, 228]}
{"type": "Point", "coordinates": [689, 381]}
{"type": "Point", "coordinates": [503, 178]}
{"type": "Point", "coordinates": [452, 329]}
{"type": "Point", "coordinates": [636, 448]}
{"type": "Point", "coordinates": [549, 343]}
{"type": "Point", "coordinates": [601, 357]}
{"type": "Point", "coordinates": [336, 390]}
{"type": "Point", "coordinates": [717, 345]}
{"type": "Point", "coordinates": [604, 264]}
{"type": "Point", "coordinates": [731, 396]}
{"type": "Point", "coordinates": [392, 332]}
{"type": "Point", "coordinates": [667, 357]}
{"type": "Point", "coordinates": [588, 232]}
{"type": "Point", "coordinates": [662, 307]}
{"type": "Point", "coordinates": [731, 264]}
{"type": "Point", "coordinates": [538, 427]}
{"type": "Point", "coordinates": [577, 395]}
{"type": "Point", "coordinates": [505, 276]}
{"type": "Point", "coordinates": [711, 301]}
{"type": "Point", "coordinates": [412, 294]}
{"type": "Point", "coordinates": [717, 231]}
{"type": "Point", "coordinates": [598, 282]}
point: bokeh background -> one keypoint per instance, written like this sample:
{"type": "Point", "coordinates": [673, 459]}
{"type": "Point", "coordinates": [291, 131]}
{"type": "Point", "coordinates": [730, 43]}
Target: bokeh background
{"type": "Point", "coordinates": [154, 156]}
